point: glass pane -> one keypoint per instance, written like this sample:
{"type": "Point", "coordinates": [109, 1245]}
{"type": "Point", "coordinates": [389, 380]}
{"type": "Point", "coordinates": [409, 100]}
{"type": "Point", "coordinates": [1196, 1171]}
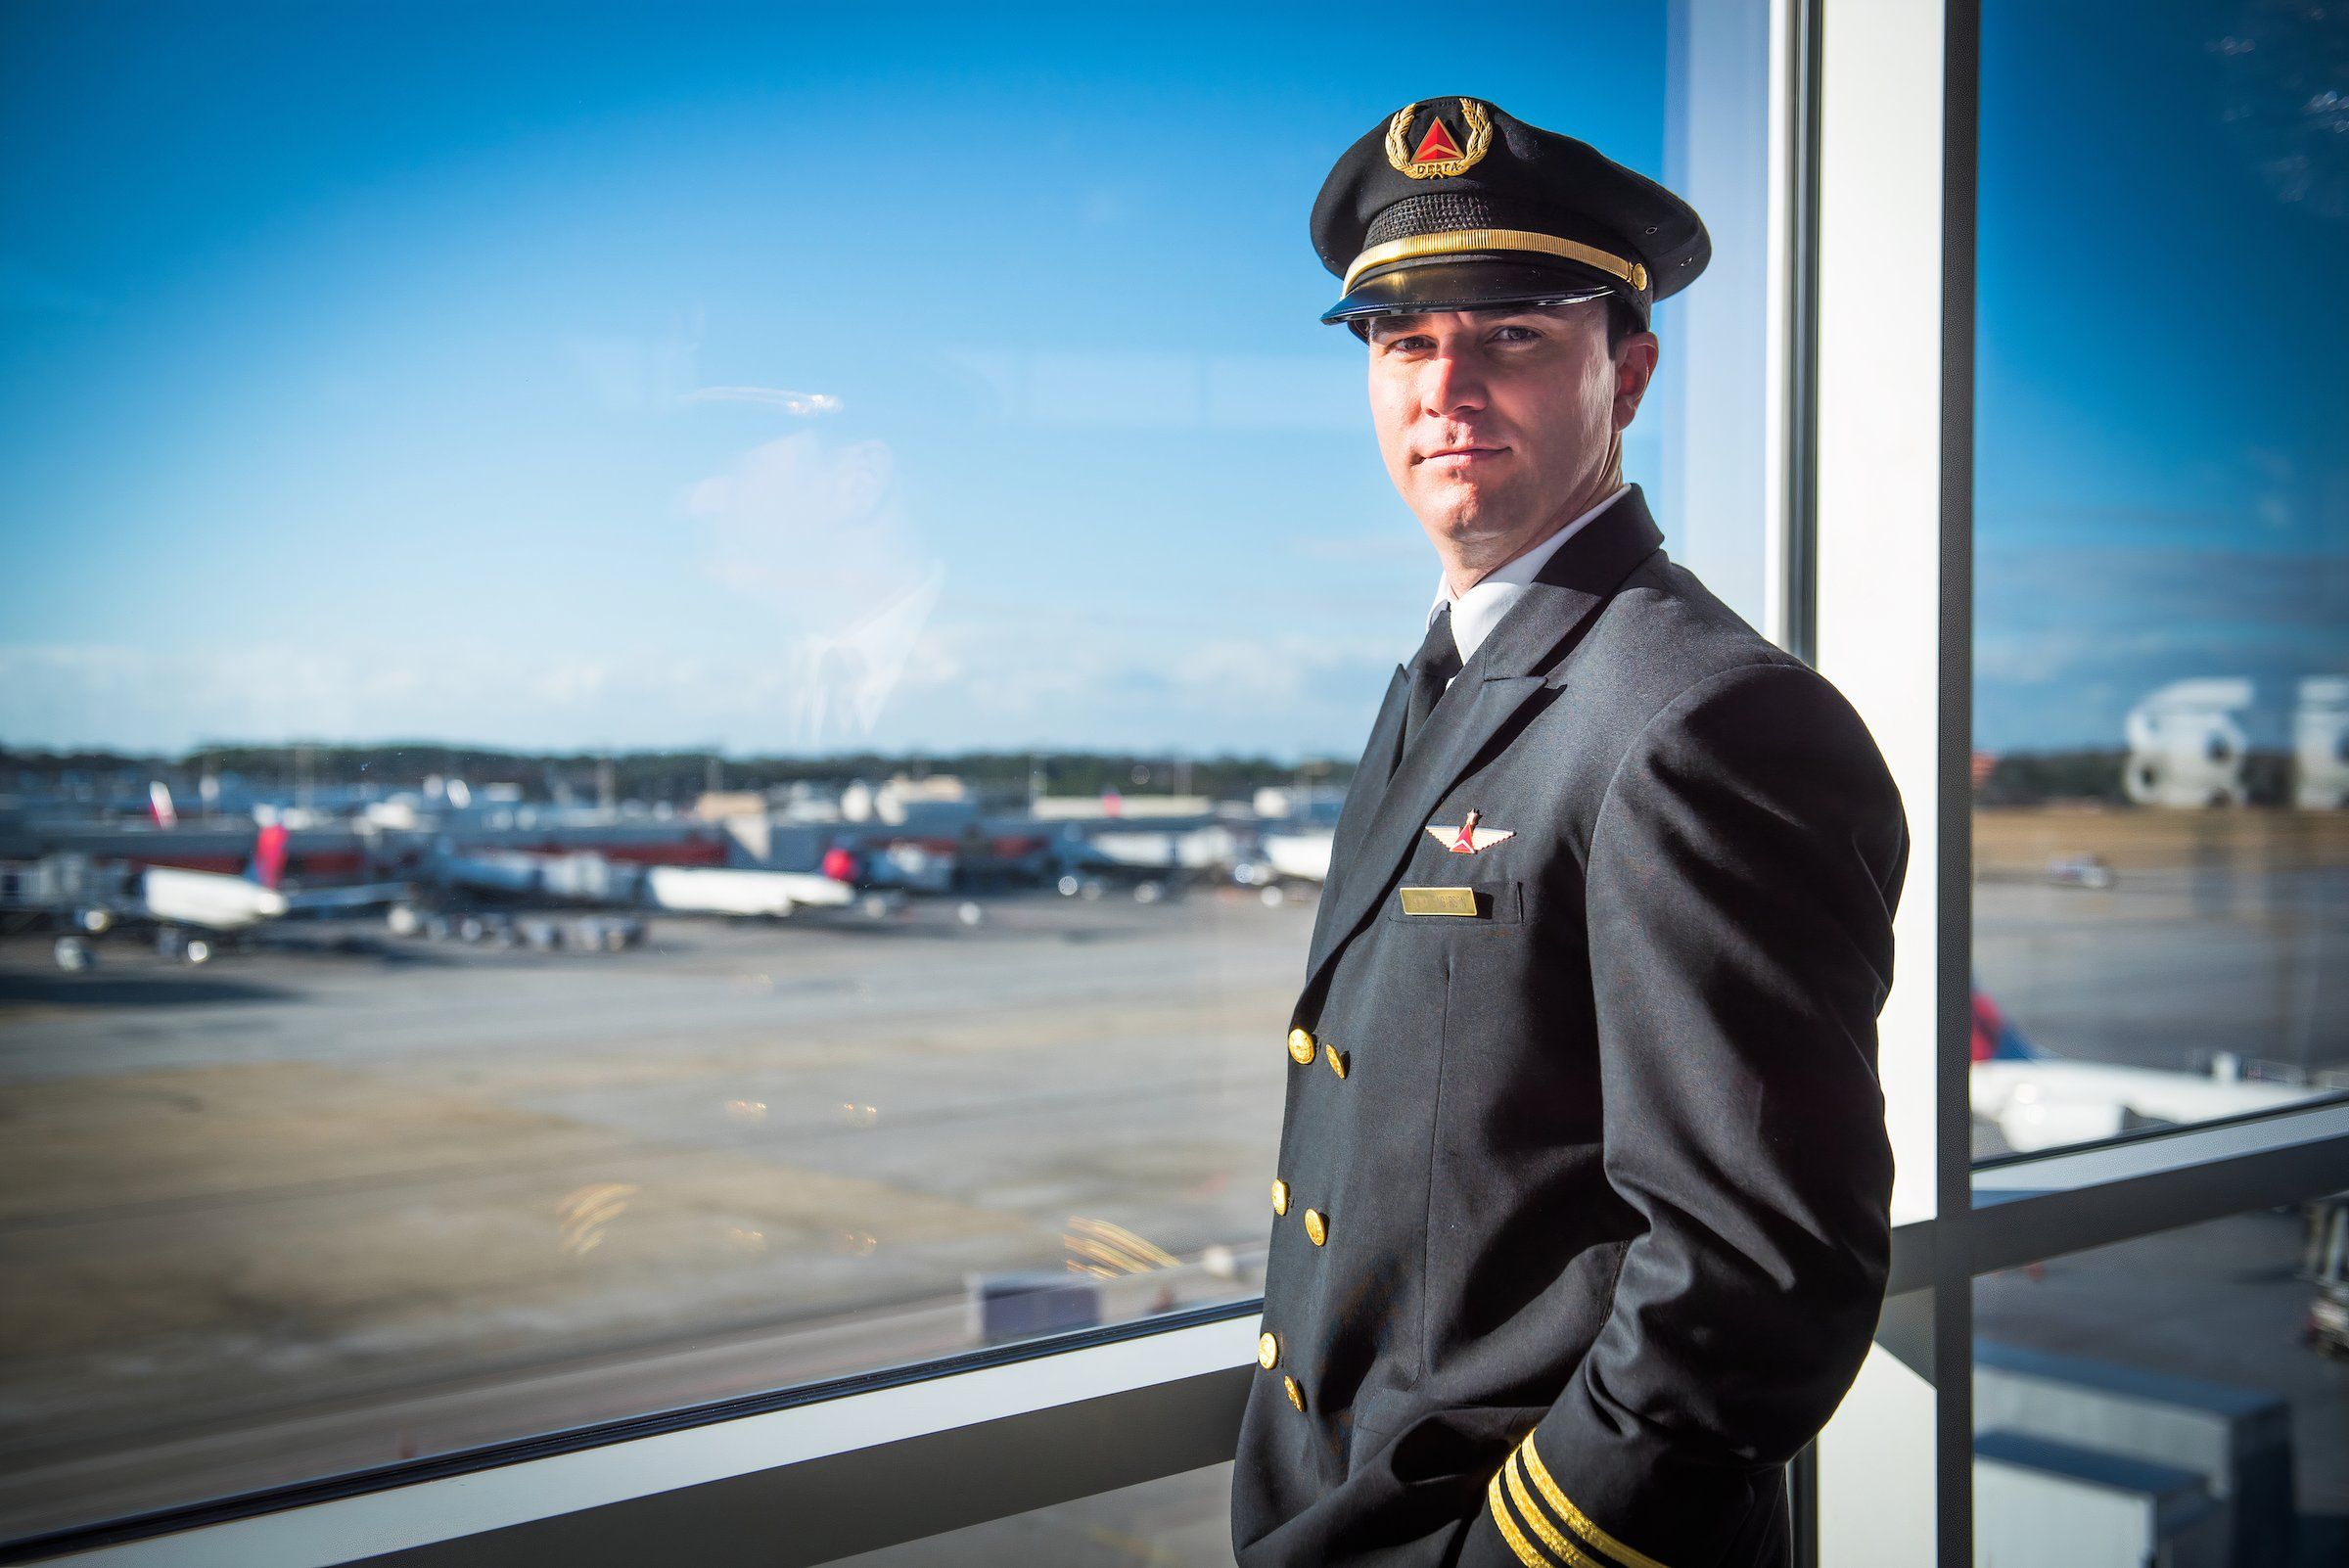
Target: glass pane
{"type": "Point", "coordinates": [1183, 1521]}
{"type": "Point", "coordinates": [2180, 1400]}
{"type": "Point", "coordinates": [501, 515]}
{"type": "Point", "coordinates": [2161, 905]}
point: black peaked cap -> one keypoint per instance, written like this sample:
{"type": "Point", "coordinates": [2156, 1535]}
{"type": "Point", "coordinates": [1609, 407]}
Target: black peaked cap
{"type": "Point", "coordinates": [1454, 204]}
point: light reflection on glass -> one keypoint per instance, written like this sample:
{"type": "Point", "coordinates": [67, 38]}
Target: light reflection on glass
{"type": "Point", "coordinates": [2161, 612]}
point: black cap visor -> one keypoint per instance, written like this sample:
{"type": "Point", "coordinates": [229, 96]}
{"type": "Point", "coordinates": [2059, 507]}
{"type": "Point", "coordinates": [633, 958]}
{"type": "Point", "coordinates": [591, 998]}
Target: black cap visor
{"type": "Point", "coordinates": [1475, 281]}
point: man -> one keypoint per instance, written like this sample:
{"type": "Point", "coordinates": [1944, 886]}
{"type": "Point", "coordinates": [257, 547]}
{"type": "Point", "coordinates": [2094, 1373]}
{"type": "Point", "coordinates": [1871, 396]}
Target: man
{"type": "Point", "coordinates": [1580, 1226]}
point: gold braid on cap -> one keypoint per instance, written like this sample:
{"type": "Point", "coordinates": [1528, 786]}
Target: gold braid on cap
{"type": "Point", "coordinates": [1459, 242]}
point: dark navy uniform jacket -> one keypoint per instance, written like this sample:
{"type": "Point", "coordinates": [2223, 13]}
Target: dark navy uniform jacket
{"type": "Point", "coordinates": [1580, 1220]}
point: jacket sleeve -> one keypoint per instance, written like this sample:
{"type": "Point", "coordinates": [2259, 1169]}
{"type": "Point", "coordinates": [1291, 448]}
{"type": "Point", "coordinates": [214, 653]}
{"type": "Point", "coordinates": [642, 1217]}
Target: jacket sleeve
{"type": "Point", "coordinates": [1743, 872]}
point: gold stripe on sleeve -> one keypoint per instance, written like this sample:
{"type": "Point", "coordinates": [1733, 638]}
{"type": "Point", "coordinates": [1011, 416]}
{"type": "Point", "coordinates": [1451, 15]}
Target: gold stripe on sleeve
{"type": "Point", "coordinates": [1566, 1549]}
{"type": "Point", "coordinates": [1509, 1532]}
{"type": "Point", "coordinates": [1576, 1520]}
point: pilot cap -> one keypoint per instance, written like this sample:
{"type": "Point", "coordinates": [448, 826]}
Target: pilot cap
{"type": "Point", "coordinates": [1454, 204]}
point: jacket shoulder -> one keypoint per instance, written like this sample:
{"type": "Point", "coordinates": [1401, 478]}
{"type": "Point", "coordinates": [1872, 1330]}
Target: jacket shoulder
{"type": "Point", "coordinates": [1667, 666]}
{"type": "Point", "coordinates": [1662, 636]}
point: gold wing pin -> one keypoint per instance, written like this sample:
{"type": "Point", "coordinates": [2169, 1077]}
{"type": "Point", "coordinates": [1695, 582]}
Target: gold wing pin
{"type": "Point", "coordinates": [1468, 838]}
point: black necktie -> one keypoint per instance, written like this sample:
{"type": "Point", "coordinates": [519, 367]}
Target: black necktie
{"type": "Point", "coordinates": [1435, 663]}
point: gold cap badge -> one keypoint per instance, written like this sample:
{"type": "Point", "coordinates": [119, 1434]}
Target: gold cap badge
{"type": "Point", "coordinates": [1438, 153]}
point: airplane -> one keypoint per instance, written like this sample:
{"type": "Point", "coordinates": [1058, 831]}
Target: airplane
{"type": "Point", "coordinates": [588, 880]}
{"type": "Point", "coordinates": [1155, 858]}
{"type": "Point", "coordinates": [720, 890]}
{"type": "Point", "coordinates": [194, 911]}
{"type": "Point", "coordinates": [1300, 856]}
{"type": "Point", "coordinates": [2038, 1100]}
{"type": "Point", "coordinates": [1296, 857]}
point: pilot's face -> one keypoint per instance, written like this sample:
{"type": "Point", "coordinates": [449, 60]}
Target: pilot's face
{"type": "Point", "coordinates": [1492, 422]}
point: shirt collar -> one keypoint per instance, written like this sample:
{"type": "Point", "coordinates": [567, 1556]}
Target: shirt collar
{"type": "Point", "coordinates": [1476, 612]}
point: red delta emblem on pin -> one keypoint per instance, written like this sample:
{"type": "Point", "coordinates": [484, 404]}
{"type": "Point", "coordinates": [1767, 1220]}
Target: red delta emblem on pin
{"type": "Point", "coordinates": [1468, 838]}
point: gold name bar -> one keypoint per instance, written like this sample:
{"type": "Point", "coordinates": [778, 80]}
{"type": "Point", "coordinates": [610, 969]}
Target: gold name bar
{"type": "Point", "coordinates": [1438, 900]}
{"type": "Point", "coordinates": [1461, 242]}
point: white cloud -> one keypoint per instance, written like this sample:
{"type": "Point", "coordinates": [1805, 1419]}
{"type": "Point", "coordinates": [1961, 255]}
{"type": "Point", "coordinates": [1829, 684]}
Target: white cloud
{"type": "Point", "coordinates": [817, 532]}
{"type": "Point", "coordinates": [790, 402]}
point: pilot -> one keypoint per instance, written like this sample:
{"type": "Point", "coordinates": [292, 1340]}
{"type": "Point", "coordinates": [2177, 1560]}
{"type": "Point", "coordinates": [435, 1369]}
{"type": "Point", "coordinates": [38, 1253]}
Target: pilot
{"type": "Point", "coordinates": [1580, 1218]}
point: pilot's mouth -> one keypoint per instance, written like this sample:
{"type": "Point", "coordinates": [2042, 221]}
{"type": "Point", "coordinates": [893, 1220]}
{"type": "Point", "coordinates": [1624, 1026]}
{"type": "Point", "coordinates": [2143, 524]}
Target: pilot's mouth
{"type": "Point", "coordinates": [1460, 456]}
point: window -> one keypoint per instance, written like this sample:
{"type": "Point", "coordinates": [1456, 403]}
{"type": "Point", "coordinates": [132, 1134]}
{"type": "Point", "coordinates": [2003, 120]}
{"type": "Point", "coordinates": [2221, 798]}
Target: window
{"type": "Point", "coordinates": [2162, 568]}
{"type": "Point", "coordinates": [520, 507]}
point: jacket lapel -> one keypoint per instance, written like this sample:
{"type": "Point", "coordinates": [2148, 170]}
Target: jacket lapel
{"type": "Point", "coordinates": [1370, 778]}
{"type": "Point", "coordinates": [1514, 663]}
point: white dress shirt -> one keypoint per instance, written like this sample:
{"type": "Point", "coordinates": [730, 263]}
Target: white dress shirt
{"type": "Point", "coordinates": [1476, 612]}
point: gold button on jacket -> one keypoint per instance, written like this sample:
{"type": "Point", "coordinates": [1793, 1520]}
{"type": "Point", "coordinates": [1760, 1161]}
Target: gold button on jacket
{"type": "Point", "coordinates": [1296, 1391]}
{"type": "Point", "coordinates": [1268, 1351]}
{"type": "Point", "coordinates": [1316, 1226]}
{"type": "Point", "coordinates": [1301, 1047]}
{"type": "Point", "coordinates": [1281, 1197]}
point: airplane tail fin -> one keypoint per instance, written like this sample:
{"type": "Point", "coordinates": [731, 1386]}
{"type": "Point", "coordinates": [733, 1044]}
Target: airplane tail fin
{"type": "Point", "coordinates": [269, 855]}
{"type": "Point", "coordinates": [158, 805]}
{"type": "Point", "coordinates": [1996, 1037]}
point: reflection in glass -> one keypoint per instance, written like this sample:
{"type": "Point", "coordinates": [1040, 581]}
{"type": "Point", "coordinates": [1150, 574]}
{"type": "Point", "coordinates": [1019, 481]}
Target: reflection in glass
{"type": "Point", "coordinates": [2161, 703]}
{"type": "Point", "coordinates": [2180, 1400]}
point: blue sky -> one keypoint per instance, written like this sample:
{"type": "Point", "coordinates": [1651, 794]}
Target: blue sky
{"type": "Point", "coordinates": [640, 376]}
{"type": "Point", "coordinates": [2162, 442]}
{"type": "Point", "coordinates": [401, 370]}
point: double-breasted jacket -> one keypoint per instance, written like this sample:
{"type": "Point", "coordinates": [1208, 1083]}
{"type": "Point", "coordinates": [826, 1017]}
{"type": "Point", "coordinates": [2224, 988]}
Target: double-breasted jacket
{"type": "Point", "coordinates": [1580, 1217]}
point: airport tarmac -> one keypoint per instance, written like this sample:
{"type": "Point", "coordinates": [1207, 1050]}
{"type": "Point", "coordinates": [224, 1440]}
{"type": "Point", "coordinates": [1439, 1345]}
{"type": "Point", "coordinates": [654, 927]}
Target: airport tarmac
{"type": "Point", "coordinates": [366, 1192]}
{"type": "Point", "coordinates": [2217, 931]}
{"type": "Point", "coordinates": [348, 1199]}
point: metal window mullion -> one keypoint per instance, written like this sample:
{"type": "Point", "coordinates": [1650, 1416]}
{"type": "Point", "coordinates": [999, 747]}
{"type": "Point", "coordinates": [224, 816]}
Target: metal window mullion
{"type": "Point", "coordinates": [1954, 837]}
{"type": "Point", "coordinates": [2029, 1211]}
{"type": "Point", "coordinates": [1798, 562]}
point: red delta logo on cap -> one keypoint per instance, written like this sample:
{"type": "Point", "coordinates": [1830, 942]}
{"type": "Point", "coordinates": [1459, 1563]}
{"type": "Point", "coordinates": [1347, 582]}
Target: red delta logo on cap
{"type": "Point", "coordinates": [1439, 152]}
{"type": "Point", "coordinates": [1437, 145]}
